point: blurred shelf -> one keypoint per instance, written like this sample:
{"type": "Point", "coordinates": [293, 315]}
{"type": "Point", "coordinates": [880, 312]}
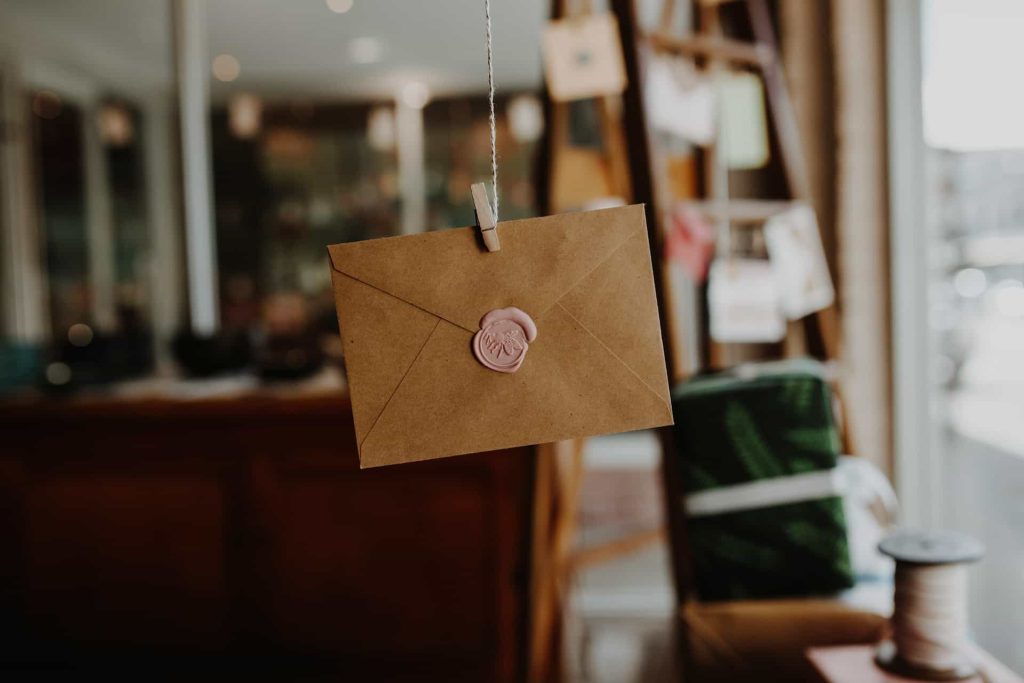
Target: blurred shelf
{"type": "Point", "coordinates": [990, 250]}
{"type": "Point", "coordinates": [248, 405]}
{"type": "Point", "coordinates": [214, 398]}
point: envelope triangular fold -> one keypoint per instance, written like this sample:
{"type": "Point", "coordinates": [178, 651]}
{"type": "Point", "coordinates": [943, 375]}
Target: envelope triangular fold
{"type": "Point", "coordinates": [615, 302]}
{"type": "Point", "coordinates": [382, 337]}
{"type": "Point", "coordinates": [570, 384]}
{"type": "Point", "coordinates": [448, 274]}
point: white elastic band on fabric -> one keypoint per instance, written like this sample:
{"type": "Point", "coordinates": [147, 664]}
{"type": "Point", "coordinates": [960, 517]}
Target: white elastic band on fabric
{"type": "Point", "coordinates": [792, 488]}
{"type": "Point", "coordinates": [866, 484]}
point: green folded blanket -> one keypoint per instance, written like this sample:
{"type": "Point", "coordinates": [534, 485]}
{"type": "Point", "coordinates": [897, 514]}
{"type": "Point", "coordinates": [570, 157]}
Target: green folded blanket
{"type": "Point", "coordinates": [762, 423]}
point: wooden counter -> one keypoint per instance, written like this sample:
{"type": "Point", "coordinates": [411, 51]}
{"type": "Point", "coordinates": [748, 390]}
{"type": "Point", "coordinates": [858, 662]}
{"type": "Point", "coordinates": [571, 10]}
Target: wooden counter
{"type": "Point", "coordinates": [240, 536]}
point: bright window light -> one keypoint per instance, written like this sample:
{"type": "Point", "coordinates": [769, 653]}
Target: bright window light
{"type": "Point", "coordinates": [973, 50]}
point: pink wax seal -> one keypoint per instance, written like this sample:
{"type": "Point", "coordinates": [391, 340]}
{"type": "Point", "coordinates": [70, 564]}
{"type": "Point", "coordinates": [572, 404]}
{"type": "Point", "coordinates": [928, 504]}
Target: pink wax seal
{"type": "Point", "coordinates": [504, 337]}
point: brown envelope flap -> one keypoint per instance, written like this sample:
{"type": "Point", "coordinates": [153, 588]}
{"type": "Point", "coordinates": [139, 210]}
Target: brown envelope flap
{"type": "Point", "coordinates": [449, 274]}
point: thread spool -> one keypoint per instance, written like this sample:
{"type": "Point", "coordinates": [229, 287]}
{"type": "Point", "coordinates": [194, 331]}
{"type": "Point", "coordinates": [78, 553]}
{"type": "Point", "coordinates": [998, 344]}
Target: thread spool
{"type": "Point", "coordinates": [929, 621]}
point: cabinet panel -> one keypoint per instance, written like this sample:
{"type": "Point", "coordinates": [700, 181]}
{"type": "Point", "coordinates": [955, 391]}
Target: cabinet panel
{"type": "Point", "coordinates": [370, 563]}
{"type": "Point", "coordinates": [125, 560]}
{"type": "Point", "coordinates": [241, 537]}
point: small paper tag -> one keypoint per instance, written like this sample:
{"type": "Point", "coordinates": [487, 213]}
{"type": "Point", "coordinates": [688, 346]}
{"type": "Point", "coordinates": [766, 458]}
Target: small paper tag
{"type": "Point", "coordinates": [798, 259]}
{"type": "Point", "coordinates": [690, 241]}
{"type": "Point", "coordinates": [743, 302]}
{"type": "Point", "coordinates": [681, 100]}
{"type": "Point", "coordinates": [744, 130]}
{"type": "Point", "coordinates": [583, 57]}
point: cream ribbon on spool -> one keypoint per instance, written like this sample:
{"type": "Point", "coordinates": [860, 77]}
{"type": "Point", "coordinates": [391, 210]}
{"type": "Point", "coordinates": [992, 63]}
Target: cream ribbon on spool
{"type": "Point", "coordinates": [929, 622]}
{"type": "Point", "coordinates": [930, 615]}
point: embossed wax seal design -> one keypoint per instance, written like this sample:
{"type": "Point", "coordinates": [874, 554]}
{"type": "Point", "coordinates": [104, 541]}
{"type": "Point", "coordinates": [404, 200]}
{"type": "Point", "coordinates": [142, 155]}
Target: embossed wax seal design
{"type": "Point", "coordinates": [504, 337]}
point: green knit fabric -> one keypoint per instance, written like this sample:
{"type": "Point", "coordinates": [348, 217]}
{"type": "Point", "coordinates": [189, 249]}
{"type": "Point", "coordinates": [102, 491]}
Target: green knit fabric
{"type": "Point", "coordinates": [768, 421]}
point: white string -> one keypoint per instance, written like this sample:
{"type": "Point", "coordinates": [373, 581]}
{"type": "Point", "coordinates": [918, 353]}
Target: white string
{"type": "Point", "coordinates": [930, 615]}
{"type": "Point", "coordinates": [490, 96]}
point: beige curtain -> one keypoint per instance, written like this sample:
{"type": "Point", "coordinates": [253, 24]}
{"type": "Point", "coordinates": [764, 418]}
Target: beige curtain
{"type": "Point", "coordinates": [834, 56]}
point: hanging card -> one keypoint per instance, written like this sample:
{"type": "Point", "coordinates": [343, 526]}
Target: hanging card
{"type": "Point", "coordinates": [743, 302]}
{"type": "Point", "coordinates": [583, 57]}
{"type": "Point", "coordinates": [452, 349]}
{"type": "Point", "coordinates": [798, 259]}
{"type": "Point", "coordinates": [690, 241]}
{"type": "Point", "coordinates": [744, 131]}
{"type": "Point", "coordinates": [681, 100]}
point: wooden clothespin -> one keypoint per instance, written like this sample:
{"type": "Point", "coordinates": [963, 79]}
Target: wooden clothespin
{"type": "Point", "coordinates": [484, 217]}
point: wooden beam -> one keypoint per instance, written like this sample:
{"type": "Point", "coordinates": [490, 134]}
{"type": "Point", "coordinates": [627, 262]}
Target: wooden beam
{"type": "Point", "coordinates": [751, 211]}
{"type": "Point", "coordinates": [641, 174]}
{"type": "Point", "coordinates": [192, 72]}
{"type": "Point", "coordinates": [165, 227]}
{"type": "Point", "coordinates": [620, 547]}
{"type": "Point", "coordinates": [779, 102]}
{"type": "Point", "coordinates": [99, 224]}
{"type": "Point", "coordinates": [24, 286]}
{"type": "Point", "coordinates": [725, 49]}
{"type": "Point", "coordinates": [639, 151]}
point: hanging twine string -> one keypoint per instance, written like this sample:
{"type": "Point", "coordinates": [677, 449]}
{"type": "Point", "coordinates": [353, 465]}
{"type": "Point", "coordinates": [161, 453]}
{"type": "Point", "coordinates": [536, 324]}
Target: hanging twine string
{"type": "Point", "coordinates": [490, 97]}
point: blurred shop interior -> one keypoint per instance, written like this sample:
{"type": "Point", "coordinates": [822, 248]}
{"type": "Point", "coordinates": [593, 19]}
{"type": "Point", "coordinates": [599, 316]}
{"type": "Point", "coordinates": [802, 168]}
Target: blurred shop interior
{"type": "Point", "coordinates": [179, 489]}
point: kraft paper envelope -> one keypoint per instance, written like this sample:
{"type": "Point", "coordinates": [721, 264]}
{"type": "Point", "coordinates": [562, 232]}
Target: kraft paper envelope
{"type": "Point", "coordinates": [408, 308]}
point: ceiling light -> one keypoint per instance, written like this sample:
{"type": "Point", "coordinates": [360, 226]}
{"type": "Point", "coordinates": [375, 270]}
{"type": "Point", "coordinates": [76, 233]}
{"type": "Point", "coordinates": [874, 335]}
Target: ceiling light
{"type": "Point", "coordinates": [80, 335]}
{"type": "Point", "coordinates": [970, 283]}
{"type": "Point", "coordinates": [245, 113]}
{"type": "Point", "coordinates": [226, 68]}
{"type": "Point", "coordinates": [117, 129]}
{"type": "Point", "coordinates": [58, 374]}
{"type": "Point", "coordinates": [46, 104]}
{"type": "Point", "coordinates": [526, 118]}
{"type": "Point", "coordinates": [380, 129]}
{"type": "Point", "coordinates": [339, 6]}
{"type": "Point", "coordinates": [365, 50]}
{"type": "Point", "coordinates": [415, 94]}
